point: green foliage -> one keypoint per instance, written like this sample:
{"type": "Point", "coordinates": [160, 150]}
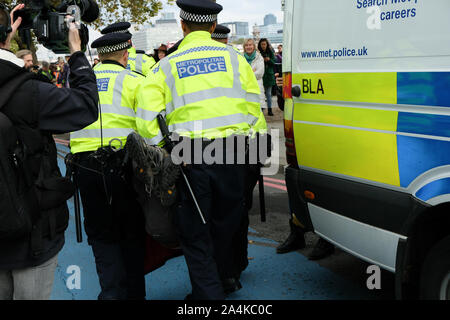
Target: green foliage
{"type": "Point", "coordinates": [136, 12]}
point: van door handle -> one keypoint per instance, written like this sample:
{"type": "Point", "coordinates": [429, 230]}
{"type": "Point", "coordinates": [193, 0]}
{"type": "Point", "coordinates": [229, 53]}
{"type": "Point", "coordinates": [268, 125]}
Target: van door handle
{"type": "Point", "coordinates": [296, 92]}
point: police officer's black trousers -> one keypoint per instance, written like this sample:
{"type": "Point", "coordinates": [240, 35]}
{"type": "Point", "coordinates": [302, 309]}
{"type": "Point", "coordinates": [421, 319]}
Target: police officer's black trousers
{"type": "Point", "coordinates": [208, 249]}
{"type": "Point", "coordinates": [240, 242]}
{"type": "Point", "coordinates": [114, 224]}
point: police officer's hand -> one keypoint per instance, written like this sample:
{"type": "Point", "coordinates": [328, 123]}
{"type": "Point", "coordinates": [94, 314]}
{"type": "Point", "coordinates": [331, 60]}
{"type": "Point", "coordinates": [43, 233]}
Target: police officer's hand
{"type": "Point", "coordinates": [74, 39]}
{"type": "Point", "coordinates": [15, 25]}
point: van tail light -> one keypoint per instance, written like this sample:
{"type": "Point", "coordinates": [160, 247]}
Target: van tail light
{"type": "Point", "coordinates": [291, 154]}
{"type": "Point", "coordinates": [287, 85]}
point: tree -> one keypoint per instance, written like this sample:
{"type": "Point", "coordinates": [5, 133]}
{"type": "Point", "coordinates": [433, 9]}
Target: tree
{"type": "Point", "coordinates": [136, 12]}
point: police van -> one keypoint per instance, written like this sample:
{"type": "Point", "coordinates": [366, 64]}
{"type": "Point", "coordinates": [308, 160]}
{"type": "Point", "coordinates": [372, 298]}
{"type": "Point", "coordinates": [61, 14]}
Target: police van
{"type": "Point", "coordinates": [367, 126]}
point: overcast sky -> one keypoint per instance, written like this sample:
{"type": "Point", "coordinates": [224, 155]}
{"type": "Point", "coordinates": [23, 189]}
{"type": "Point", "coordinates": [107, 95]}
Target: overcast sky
{"type": "Point", "coordinates": [252, 11]}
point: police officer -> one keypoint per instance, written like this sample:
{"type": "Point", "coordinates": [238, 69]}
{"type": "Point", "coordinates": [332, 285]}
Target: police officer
{"type": "Point", "coordinates": [209, 93]}
{"type": "Point", "coordinates": [252, 174]}
{"type": "Point", "coordinates": [220, 34]}
{"type": "Point", "coordinates": [137, 60]}
{"type": "Point", "coordinates": [113, 218]}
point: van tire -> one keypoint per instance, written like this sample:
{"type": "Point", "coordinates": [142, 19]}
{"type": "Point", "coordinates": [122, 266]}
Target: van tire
{"type": "Point", "coordinates": [435, 274]}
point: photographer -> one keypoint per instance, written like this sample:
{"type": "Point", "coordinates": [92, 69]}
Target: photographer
{"type": "Point", "coordinates": [34, 110]}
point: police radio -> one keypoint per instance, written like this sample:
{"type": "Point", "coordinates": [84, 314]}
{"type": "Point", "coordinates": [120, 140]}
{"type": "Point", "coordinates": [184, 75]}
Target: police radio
{"type": "Point", "coordinates": [50, 25]}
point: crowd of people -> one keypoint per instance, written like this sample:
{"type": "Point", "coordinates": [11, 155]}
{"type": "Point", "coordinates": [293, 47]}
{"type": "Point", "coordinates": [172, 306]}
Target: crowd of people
{"type": "Point", "coordinates": [56, 73]}
{"type": "Point", "coordinates": [265, 62]}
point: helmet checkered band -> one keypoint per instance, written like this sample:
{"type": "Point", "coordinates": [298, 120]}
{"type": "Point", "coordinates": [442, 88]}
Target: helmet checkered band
{"type": "Point", "coordinates": [219, 36]}
{"type": "Point", "coordinates": [198, 18]}
{"type": "Point", "coordinates": [114, 48]}
{"type": "Point", "coordinates": [120, 31]}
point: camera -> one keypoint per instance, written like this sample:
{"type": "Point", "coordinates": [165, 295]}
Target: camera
{"type": "Point", "coordinates": [49, 22]}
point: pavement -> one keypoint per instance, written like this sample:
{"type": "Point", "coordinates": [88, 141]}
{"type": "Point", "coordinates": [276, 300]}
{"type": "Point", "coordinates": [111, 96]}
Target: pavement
{"type": "Point", "coordinates": [276, 122]}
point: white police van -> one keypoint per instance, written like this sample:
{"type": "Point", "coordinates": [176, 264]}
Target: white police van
{"type": "Point", "coordinates": [367, 125]}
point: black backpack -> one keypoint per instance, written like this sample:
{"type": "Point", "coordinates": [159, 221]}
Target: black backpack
{"type": "Point", "coordinates": [18, 203]}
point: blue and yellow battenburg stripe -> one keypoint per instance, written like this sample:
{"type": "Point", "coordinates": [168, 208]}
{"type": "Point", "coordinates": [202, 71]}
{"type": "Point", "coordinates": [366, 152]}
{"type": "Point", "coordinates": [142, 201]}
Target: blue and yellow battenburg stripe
{"type": "Point", "coordinates": [366, 136]}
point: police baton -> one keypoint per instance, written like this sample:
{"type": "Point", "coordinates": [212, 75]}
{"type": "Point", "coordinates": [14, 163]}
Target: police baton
{"type": "Point", "coordinates": [166, 135]}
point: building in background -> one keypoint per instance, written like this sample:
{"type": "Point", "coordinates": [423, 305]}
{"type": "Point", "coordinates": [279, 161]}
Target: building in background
{"type": "Point", "coordinates": [165, 30]}
{"type": "Point", "coordinates": [272, 31]}
{"type": "Point", "coordinates": [239, 30]}
{"type": "Point", "coordinates": [270, 19]}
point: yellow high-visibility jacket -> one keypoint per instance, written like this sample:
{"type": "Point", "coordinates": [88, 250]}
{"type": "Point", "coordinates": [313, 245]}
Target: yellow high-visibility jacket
{"type": "Point", "coordinates": [206, 90]}
{"type": "Point", "coordinates": [139, 62]}
{"type": "Point", "coordinates": [117, 92]}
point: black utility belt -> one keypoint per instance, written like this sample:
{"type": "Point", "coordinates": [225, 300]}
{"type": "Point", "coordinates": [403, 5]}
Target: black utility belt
{"type": "Point", "coordinates": [103, 157]}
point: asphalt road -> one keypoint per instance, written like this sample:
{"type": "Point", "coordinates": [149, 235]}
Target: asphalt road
{"type": "Point", "coordinates": [276, 228]}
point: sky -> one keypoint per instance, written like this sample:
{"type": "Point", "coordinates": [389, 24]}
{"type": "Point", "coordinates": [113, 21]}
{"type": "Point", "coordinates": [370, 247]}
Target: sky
{"type": "Point", "coordinates": [251, 11]}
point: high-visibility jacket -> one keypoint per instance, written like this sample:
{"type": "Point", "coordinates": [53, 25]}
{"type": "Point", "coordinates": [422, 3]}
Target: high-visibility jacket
{"type": "Point", "coordinates": [139, 62]}
{"type": "Point", "coordinates": [206, 90]}
{"type": "Point", "coordinates": [117, 92]}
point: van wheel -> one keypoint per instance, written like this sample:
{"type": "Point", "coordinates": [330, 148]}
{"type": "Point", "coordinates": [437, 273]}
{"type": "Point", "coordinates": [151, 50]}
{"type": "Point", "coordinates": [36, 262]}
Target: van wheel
{"type": "Point", "coordinates": [435, 275]}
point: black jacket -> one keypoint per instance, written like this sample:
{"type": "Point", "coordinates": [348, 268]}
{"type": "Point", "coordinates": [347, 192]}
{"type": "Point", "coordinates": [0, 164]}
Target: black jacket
{"type": "Point", "coordinates": [38, 110]}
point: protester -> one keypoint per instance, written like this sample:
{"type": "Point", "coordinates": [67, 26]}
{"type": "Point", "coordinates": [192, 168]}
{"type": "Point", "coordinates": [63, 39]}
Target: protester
{"type": "Point", "coordinates": [266, 51]}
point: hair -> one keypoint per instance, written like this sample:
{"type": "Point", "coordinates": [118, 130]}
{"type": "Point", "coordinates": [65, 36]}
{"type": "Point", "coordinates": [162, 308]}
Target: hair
{"type": "Point", "coordinates": [248, 40]}
{"type": "Point", "coordinates": [194, 26]}
{"type": "Point", "coordinates": [45, 64]}
{"type": "Point", "coordinates": [116, 55]}
{"type": "Point", "coordinates": [269, 46]}
{"type": "Point", "coordinates": [162, 47]}
{"type": "Point", "coordinates": [22, 53]}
